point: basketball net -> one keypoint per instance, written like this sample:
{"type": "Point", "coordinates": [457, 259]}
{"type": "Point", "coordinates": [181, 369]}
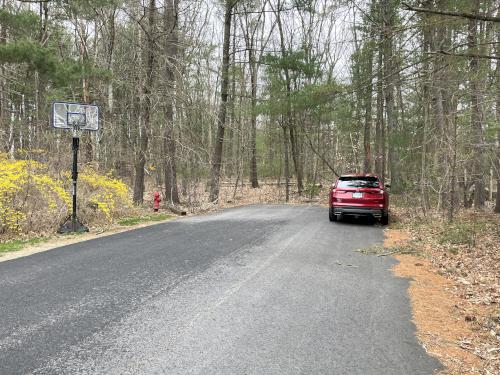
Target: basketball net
{"type": "Point", "coordinates": [77, 131]}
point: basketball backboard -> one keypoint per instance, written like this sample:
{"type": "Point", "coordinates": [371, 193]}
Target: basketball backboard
{"type": "Point", "coordinates": [75, 116]}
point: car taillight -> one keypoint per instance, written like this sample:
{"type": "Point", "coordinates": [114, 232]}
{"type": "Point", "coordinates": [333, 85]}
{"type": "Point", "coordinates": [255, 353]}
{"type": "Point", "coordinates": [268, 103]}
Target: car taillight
{"type": "Point", "coordinates": [381, 191]}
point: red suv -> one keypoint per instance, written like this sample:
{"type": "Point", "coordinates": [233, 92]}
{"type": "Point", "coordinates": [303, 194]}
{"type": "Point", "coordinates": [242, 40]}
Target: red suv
{"type": "Point", "coordinates": [359, 195]}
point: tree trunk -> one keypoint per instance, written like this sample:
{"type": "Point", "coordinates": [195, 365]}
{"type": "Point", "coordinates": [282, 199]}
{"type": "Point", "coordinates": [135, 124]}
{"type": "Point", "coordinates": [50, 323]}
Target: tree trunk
{"type": "Point", "coordinates": [497, 113]}
{"type": "Point", "coordinates": [379, 127]}
{"type": "Point", "coordinates": [144, 129]}
{"type": "Point", "coordinates": [426, 100]}
{"type": "Point", "coordinates": [389, 95]}
{"type": "Point", "coordinates": [367, 165]}
{"type": "Point", "coordinates": [358, 98]}
{"type": "Point", "coordinates": [253, 119]}
{"type": "Point", "coordinates": [287, 164]}
{"type": "Point", "coordinates": [169, 148]}
{"type": "Point", "coordinates": [476, 114]}
{"type": "Point", "coordinates": [111, 48]}
{"type": "Point", "coordinates": [296, 158]}
{"type": "Point", "coordinates": [4, 106]}
{"type": "Point", "coordinates": [497, 161]}
{"type": "Point", "coordinates": [84, 58]}
{"type": "Point", "coordinates": [289, 120]}
{"type": "Point", "coordinates": [221, 118]}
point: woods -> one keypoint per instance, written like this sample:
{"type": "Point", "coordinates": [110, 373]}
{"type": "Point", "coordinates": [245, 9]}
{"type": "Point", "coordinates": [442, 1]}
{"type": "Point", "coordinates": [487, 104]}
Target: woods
{"type": "Point", "coordinates": [291, 91]}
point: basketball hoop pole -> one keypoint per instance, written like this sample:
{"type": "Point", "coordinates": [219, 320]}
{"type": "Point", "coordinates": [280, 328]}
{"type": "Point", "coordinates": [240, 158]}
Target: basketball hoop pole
{"type": "Point", "coordinates": [74, 177]}
{"type": "Point", "coordinates": [76, 226]}
{"type": "Point", "coordinates": [73, 225]}
{"type": "Point", "coordinates": [76, 117]}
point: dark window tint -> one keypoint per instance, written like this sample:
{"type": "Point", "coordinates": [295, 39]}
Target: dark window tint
{"type": "Point", "coordinates": [358, 182]}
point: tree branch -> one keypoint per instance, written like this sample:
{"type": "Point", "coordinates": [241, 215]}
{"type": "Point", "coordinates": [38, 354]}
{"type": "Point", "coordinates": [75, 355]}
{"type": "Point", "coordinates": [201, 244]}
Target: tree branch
{"type": "Point", "coordinates": [492, 57]}
{"type": "Point", "coordinates": [321, 156]}
{"type": "Point", "coordinates": [482, 17]}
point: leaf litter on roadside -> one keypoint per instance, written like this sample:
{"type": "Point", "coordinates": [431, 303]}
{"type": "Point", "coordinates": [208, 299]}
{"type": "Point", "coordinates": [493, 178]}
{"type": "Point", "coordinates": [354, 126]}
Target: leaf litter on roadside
{"type": "Point", "coordinates": [467, 253]}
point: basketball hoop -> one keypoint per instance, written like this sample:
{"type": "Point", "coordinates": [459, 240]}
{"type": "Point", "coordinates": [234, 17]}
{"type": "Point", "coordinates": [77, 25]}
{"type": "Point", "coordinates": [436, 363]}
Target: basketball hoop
{"type": "Point", "coordinates": [76, 117]}
{"type": "Point", "coordinates": [67, 115]}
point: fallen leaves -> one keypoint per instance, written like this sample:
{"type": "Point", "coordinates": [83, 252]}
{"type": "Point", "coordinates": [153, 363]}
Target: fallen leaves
{"type": "Point", "coordinates": [457, 277]}
{"type": "Point", "coordinates": [269, 192]}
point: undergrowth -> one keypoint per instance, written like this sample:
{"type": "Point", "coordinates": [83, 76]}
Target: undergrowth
{"type": "Point", "coordinates": [34, 201]}
{"type": "Point", "coordinates": [467, 252]}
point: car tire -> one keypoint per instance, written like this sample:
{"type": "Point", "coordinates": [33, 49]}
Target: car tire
{"type": "Point", "coordinates": [331, 215]}
{"type": "Point", "coordinates": [384, 220]}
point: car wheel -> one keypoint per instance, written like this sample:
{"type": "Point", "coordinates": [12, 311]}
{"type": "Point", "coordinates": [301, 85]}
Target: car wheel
{"type": "Point", "coordinates": [331, 215]}
{"type": "Point", "coordinates": [384, 220]}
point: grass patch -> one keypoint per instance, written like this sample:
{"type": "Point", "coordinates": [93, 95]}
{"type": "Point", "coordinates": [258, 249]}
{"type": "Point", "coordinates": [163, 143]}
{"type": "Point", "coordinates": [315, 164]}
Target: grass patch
{"type": "Point", "coordinates": [461, 233]}
{"type": "Point", "coordinates": [143, 219]}
{"type": "Point", "coordinates": [16, 245]}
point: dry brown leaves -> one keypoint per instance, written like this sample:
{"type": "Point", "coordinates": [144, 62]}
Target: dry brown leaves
{"type": "Point", "coordinates": [269, 192]}
{"type": "Point", "coordinates": [456, 290]}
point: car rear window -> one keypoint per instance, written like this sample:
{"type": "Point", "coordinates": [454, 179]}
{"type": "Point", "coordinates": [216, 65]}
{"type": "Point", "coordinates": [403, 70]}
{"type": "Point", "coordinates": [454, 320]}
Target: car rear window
{"type": "Point", "coordinates": [358, 182]}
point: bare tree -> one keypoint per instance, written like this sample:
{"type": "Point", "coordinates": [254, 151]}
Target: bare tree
{"type": "Point", "coordinates": [476, 113]}
{"type": "Point", "coordinates": [497, 115]}
{"type": "Point", "coordinates": [145, 125]}
{"type": "Point", "coordinates": [221, 118]}
{"type": "Point", "coordinates": [169, 148]}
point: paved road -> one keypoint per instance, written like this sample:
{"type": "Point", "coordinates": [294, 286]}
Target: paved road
{"type": "Point", "coordinates": [252, 290]}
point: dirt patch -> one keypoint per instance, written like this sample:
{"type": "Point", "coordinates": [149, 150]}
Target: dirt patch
{"type": "Point", "coordinates": [396, 238]}
{"type": "Point", "coordinates": [449, 327]}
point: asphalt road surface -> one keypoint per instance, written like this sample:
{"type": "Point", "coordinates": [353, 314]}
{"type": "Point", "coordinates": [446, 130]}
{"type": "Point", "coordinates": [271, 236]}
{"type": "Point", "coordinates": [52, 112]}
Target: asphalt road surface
{"type": "Point", "coordinates": [251, 290]}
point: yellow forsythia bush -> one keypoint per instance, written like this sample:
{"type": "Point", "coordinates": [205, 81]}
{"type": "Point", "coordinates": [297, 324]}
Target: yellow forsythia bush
{"type": "Point", "coordinates": [33, 201]}
{"type": "Point", "coordinates": [28, 194]}
{"type": "Point", "coordinates": [104, 193]}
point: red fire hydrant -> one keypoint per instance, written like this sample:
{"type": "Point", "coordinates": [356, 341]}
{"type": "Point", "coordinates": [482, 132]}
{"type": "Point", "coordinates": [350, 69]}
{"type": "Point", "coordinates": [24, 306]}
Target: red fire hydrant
{"type": "Point", "coordinates": [157, 200]}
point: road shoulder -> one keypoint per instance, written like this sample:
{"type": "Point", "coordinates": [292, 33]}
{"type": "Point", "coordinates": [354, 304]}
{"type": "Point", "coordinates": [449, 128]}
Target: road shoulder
{"type": "Point", "coordinates": [446, 329]}
{"type": "Point", "coordinates": [69, 239]}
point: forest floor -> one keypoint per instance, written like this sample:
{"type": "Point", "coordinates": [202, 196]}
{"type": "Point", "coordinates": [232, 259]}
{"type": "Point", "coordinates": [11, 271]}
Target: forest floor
{"type": "Point", "coordinates": [269, 192]}
{"type": "Point", "coordinates": [455, 289]}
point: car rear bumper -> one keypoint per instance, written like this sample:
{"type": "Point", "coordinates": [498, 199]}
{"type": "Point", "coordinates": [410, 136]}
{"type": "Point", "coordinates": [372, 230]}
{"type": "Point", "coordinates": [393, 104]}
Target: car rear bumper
{"type": "Point", "coordinates": [358, 211]}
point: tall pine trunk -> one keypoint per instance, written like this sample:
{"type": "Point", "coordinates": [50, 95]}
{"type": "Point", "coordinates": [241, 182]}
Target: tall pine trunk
{"type": "Point", "coordinates": [146, 123]}
{"type": "Point", "coordinates": [379, 129]}
{"type": "Point", "coordinates": [426, 103]}
{"type": "Point", "coordinates": [169, 148]}
{"type": "Point", "coordinates": [367, 165]}
{"type": "Point", "coordinates": [497, 113]}
{"type": "Point", "coordinates": [476, 114]}
{"type": "Point", "coordinates": [296, 157]}
{"type": "Point", "coordinates": [392, 119]}
{"type": "Point", "coordinates": [289, 121]}
{"type": "Point", "coordinates": [221, 118]}
{"type": "Point", "coordinates": [287, 163]}
{"type": "Point", "coordinates": [253, 119]}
